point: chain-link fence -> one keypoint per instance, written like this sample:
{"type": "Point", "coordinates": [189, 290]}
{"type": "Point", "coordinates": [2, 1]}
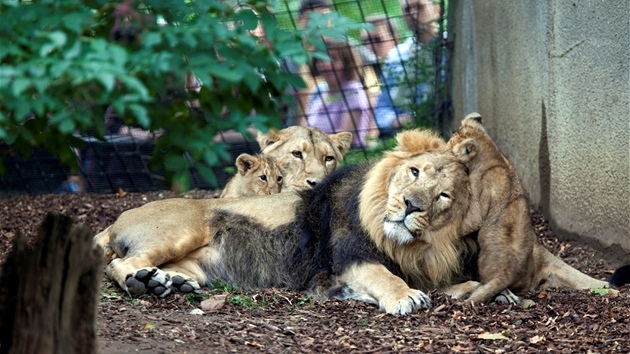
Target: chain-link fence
{"type": "Point", "coordinates": [397, 80]}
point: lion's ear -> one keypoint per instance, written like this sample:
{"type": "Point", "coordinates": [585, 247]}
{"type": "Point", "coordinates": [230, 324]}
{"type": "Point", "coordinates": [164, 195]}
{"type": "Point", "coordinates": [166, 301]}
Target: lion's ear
{"type": "Point", "coordinates": [474, 116]}
{"type": "Point", "coordinates": [267, 139]}
{"type": "Point", "coordinates": [466, 150]}
{"type": "Point", "coordinates": [342, 141]}
{"type": "Point", "coordinates": [473, 120]}
{"type": "Point", "coordinates": [245, 162]}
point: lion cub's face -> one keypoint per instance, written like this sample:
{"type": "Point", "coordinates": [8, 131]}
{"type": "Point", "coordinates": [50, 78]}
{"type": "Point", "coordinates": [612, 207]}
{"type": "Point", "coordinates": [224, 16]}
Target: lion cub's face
{"type": "Point", "coordinates": [257, 175]}
{"type": "Point", "coordinates": [425, 194]}
{"type": "Point", "coordinates": [305, 154]}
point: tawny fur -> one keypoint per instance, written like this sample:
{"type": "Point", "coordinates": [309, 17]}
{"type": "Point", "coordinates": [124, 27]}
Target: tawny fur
{"type": "Point", "coordinates": [334, 233]}
{"type": "Point", "coordinates": [435, 259]}
{"type": "Point", "coordinates": [256, 175]}
{"type": "Point", "coordinates": [510, 256]}
{"type": "Point", "coordinates": [305, 154]}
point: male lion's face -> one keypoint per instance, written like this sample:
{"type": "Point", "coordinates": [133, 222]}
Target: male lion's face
{"type": "Point", "coordinates": [425, 193]}
{"type": "Point", "coordinates": [305, 154]}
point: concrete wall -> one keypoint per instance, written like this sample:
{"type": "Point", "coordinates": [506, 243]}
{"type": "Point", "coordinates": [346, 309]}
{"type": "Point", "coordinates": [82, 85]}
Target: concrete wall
{"type": "Point", "coordinates": [552, 82]}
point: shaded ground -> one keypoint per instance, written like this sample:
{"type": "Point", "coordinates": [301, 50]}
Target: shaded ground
{"type": "Point", "coordinates": [277, 321]}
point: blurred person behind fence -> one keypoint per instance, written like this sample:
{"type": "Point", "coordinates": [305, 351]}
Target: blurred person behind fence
{"type": "Point", "coordinates": [344, 104]}
{"type": "Point", "coordinates": [316, 85]}
{"type": "Point", "coordinates": [408, 69]}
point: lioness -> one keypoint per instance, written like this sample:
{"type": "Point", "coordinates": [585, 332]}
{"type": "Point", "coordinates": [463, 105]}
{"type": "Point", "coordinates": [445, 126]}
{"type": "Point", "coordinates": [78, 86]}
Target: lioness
{"type": "Point", "coordinates": [510, 256]}
{"type": "Point", "coordinates": [256, 175]}
{"type": "Point", "coordinates": [305, 154]}
{"type": "Point", "coordinates": [381, 233]}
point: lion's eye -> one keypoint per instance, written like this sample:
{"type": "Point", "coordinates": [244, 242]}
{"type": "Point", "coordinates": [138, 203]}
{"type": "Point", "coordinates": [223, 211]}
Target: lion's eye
{"type": "Point", "coordinates": [444, 195]}
{"type": "Point", "coordinates": [279, 179]}
{"type": "Point", "coordinates": [264, 178]}
{"type": "Point", "coordinates": [414, 171]}
{"type": "Point", "coordinates": [329, 158]}
{"type": "Point", "coordinates": [297, 154]}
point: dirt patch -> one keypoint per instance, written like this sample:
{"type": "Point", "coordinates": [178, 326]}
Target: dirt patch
{"type": "Point", "coordinates": [276, 320]}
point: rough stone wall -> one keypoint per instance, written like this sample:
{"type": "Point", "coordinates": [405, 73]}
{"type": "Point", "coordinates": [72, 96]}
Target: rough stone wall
{"type": "Point", "coordinates": [552, 82]}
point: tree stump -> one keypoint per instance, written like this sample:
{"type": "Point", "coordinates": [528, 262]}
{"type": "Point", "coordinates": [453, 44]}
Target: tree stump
{"type": "Point", "coordinates": [48, 294]}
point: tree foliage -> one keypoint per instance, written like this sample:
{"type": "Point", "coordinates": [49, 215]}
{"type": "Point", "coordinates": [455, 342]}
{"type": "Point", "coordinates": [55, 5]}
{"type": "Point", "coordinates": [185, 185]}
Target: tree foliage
{"type": "Point", "coordinates": [61, 68]}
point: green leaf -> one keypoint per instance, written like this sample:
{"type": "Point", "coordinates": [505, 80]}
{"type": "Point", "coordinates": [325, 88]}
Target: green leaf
{"type": "Point", "coordinates": [67, 126]}
{"type": "Point", "coordinates": [107, 79]}
{"type": "Point", "coordinates": [181, 181]}
{"type": "Point", "coordinates": [600, 291]}
{"type": "Point", "coordinates": [75, 21]}
{"type": "Point", "coordinates": [247, 19]}
{"type": "Point", "coordinates": [207, 174]}
{"type": "Point", "coordinates": [151, 39]}
{"type": "Point", "coordinates": [141, 114]}
{"type": "Point", "coordinates": [73, 52]}
{"type": "Point", "coordinates": [37, 70]}
{"type": "Point", "coordinates": [175, 162]}
{"type": "Point", "coordinates": [58, 38]}
{"type": "Point", "coordinates": [20, 84]}
{"type": "Point", "coordinates": [210, 157]}
{"type": "Point", "coordinates": [137, 86]}
{"type": "Point", "coordinates": [225, 72]}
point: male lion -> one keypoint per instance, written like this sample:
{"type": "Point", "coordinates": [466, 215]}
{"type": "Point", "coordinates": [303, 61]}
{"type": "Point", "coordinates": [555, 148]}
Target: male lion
{"type": "Point", "coordinates": [381, 233]}
{"type": "Point", "coordinates": [509, 256]}
{"type": "Point", "coordinates": [257, 175]}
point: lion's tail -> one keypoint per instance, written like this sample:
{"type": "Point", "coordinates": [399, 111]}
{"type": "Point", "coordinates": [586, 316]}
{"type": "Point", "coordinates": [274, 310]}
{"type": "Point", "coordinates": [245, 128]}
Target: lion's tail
{"type": "Point", "coordinates": [553, 272]}
{"type": "Point", "coordinates": [621, 276]}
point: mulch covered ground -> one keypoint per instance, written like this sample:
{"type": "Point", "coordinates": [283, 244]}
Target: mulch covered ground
{"type": "Point", "coordinates": [277, 321]}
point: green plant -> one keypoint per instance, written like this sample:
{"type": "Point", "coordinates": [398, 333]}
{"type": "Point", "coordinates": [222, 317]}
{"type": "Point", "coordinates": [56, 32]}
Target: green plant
{"type": "Point", "coordinates": [244, 301]}
{"type": "Point", "coordinates": [194, 299]}
{"type": "Point", "coordinates": [307, 299]}
{"type": "Point", "coordinates": [62, 67]}
{"type": "Point", "coordinates": [219, 286]}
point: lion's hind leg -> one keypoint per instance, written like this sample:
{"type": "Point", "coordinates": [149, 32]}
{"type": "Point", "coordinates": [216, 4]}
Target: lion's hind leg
{"type": "Point", "coordinates": [139, 277]}
{"type": "Point", "coordinates": [461, 291]}
{"type": "Point", "coordinates": [464, 291]}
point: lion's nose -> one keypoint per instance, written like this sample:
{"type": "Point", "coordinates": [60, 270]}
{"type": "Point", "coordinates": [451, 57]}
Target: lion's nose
{"type": "Point", "coordinates": [411, 207]}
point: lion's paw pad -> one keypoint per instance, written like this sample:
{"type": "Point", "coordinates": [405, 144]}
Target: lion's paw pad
{"type": "Point", "coordinates": [149, 280]}
{"type": "Point", "coordinates": [186, 285]}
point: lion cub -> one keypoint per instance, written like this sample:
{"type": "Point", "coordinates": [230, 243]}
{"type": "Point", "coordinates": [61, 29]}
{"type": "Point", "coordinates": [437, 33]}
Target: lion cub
{"type": "Point", "coordinates": [499, 210]}
{"type": "Point", "coordinates": [257, 175]}
{"type": "Point", "coordinates": [510, 256]}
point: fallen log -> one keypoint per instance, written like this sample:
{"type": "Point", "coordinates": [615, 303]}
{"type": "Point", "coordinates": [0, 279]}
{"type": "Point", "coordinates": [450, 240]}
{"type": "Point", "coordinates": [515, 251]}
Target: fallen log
{"type": "Point", "coordinates": [48, 293]}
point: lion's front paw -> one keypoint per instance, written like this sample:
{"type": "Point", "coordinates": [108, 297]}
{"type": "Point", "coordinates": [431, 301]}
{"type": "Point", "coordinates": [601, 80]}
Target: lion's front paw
{"type": "Point", "coordinates": [412, 301]}
{"type": "Point", "coordinates": [149, 280]}
{"type": "Point", "coordinates": [186, 285]}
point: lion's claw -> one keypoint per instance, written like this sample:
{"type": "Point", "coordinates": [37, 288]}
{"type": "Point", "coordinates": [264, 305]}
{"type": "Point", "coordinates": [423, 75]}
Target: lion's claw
{"type": "Point", "coordinates": [411, 303]}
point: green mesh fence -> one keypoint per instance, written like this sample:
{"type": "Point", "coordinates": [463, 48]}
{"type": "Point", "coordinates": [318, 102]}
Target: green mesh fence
{"type": "Point", "coordinates": [121, 161]}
